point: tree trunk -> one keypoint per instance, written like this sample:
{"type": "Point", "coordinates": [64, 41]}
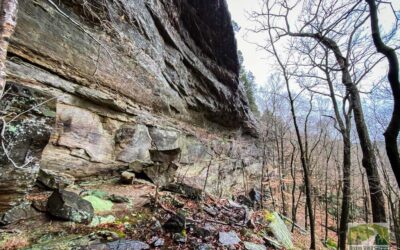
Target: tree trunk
{"type": "Point", "coordinates": [393, 129]}
{"type": "Point", "coordinates": [369, 159]}
{"type": "Point", "coordinates": [8, 21]}
{"type": "Point", "coordinates": [344, 215]}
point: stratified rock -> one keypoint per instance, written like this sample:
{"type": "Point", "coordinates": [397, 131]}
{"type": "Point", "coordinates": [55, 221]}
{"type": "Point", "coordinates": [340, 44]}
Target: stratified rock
{"type": "Point", "coordinates": [192, 150]}
{"type": "Point", "coordinates": [55, 179]}
{"type": "Point", "coordinates": [133, 143]}
{"type": "Point", "coordinates": [175, 224]}
{"type": "Point", "coordinates": [253, 246]}
{"type": "Point", "coordinates": [228, 238]}
{"type": "Point", "coordinates": [21, 212]}
{"type": "Point", "coordinates": [69, 206]}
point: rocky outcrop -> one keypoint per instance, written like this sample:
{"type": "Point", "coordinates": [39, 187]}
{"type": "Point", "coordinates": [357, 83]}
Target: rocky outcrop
{"type": "Point", "coordinates": [123, 81]}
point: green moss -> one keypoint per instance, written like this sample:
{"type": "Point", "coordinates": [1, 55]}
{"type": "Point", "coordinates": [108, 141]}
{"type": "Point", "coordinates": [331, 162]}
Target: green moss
{"type": "Point", "coordinates": [98, 204]}
{"type": "Point", "coordinates": [331, 244]}
{"type": "Point", "coordinates": [360, 233]}
{"type": "Point", "coordinates": [98, 193]}
{"type": "Point", "coordinates": [383, 237]}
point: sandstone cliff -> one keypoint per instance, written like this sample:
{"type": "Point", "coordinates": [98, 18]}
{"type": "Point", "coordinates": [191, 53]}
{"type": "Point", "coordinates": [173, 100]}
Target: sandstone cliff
{"type": "Point", "coordinates": [107, 84]}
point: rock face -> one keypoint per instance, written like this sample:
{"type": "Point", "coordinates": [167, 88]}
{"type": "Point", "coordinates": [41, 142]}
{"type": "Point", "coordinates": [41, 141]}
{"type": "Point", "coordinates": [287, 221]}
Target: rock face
{"type": "Point", "coordinates": [126, 81]}
{"type": "Point", "coordinates": [26, 135]}
{"type": "Point", "coordinates": [54, 180]}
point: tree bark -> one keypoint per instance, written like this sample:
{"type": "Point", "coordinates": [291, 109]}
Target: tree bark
{"type": "Point", "coordinates": [392, 131]}
{"type": "Point", "coordinates": [8, 21]}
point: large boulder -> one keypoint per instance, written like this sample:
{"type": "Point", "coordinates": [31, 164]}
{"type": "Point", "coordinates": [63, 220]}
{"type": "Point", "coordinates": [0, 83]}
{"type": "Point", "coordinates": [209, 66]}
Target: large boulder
{"type": "Point", "coordinates": [54, 179]}
{"type": "Point", "coordinates": [133, 143]}
{"type": "Point", "coordinates": [69, 206]}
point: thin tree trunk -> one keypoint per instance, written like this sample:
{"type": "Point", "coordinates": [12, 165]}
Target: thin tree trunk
{"type": "Point", "coordinates": [344, 215]}
{"type": "Point", "coordinates": [8, 21]}
{"type": "Point", "coordinates": [393, 129]}
{"type": "Point", "coordinates": [293, 174]}
{"type": "Point", "coordinates": [369, 160]}
{"type": "Point", "coordinates": [303, 153]}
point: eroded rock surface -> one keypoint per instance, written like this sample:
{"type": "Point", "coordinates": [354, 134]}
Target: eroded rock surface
{"type": "Point", "coordinates": [126, 82]}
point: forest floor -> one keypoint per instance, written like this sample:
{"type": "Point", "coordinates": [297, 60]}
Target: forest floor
{"type": "Point", "coordinates": [142, 222]}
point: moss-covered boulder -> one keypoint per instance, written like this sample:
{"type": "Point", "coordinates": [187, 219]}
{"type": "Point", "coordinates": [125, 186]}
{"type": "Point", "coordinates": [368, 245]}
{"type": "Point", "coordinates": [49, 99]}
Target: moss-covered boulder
{"type": "Point", "coordinates": [69, 206]}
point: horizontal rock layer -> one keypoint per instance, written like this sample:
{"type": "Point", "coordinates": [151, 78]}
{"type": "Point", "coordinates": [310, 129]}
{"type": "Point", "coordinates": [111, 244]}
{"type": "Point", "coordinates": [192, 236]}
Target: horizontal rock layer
{"type": "Point", "coordinates": [129, 81]}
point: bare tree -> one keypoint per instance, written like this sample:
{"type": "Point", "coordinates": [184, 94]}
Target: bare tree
{"type": "Point", "coordinates": [393, 129]}
{"type": "Point", "coordinates": [332, 26]}
{"type": "Point", "coordinates": [303, 154]}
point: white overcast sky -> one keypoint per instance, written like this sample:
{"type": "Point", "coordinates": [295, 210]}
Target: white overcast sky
{"type": "Point", "coordinates": [255, 60]}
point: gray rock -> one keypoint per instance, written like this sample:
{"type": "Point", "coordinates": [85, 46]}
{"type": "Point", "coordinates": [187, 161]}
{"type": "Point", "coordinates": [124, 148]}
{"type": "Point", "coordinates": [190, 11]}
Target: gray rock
{"type": "Point", "coordinates": [228, 238]}
{"type": "Point", "coordinates": [69, 206]}
{"type": "Point", "coordinates": [21, 212]}
{"type": "Point", "coordinates": [156, 225]}
{"type": "Point", "coordinates": [158, 242]}
{"type": "Point", "coordinates": [253, 246]}
{"type": "Point", "coordinates": [55, 179]}
{"type": "Point", "coordinates": [127, 177]}
{"type": "Point", "coordinates": [133, 143]}
{"type": "Point", "coordinates": [120, 244]}
{"type": "Point", "coordinates": [165, 139]}
{"type": "Point", "coordinates": [205, 247]}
